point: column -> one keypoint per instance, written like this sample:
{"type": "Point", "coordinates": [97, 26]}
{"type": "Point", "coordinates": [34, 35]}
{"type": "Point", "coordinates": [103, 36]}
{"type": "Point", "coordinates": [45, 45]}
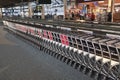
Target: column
{"type": "Point", "coordinates": [43, 12]}
{"type": "Point", "coordinates": [30, 10]}
{"type": "Point", "coordinates": [65, 8]}
{"type": "Point", "coordinates": [0, 12]}
{"type": "Point", "coordinates": [111, 7]}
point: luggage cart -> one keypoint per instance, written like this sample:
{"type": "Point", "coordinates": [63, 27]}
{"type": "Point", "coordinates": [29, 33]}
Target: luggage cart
{"type": "Point", "coordinates": [106, 66]}
{"type": "Point", "coordinates": [98, 63]}
{"type": "Point", "coordinates": [114, 69]}
{"type": "Point", "coordinates": [113, 49]}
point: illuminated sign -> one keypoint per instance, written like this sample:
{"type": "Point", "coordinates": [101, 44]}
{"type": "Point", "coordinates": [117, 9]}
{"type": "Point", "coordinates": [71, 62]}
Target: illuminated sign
{"type": "Point", "coordinates": [87, 0]}
{"type": "Point", "coordinates": [81, 1]}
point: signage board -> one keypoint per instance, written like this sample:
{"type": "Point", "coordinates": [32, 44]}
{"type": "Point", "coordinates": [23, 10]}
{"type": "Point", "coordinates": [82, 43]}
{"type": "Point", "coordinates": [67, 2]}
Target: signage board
{"type": "Point", "coordinates": [81, 1]}
{"type": "Point", "coordinates": [44, 1]}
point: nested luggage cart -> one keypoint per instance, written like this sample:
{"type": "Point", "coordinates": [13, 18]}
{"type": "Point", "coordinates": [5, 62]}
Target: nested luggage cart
{"type": "Point", "coordinates": [96, 56]}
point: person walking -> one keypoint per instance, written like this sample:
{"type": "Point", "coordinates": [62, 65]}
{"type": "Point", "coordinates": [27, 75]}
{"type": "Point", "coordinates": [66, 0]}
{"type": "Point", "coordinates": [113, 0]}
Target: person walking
{"type": "Point", "coordinates": [98, 17]}
{"type": "Point", "coordinates": [109, 17]}
{"type": "Point", "coordinates": [72, 15]}
{"type": "Point", "coordinates": [92, 16]}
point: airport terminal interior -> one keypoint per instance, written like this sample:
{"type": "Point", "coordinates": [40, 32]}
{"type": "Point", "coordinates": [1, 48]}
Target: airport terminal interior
{"type": "Point", "coordinates": [59, 39]}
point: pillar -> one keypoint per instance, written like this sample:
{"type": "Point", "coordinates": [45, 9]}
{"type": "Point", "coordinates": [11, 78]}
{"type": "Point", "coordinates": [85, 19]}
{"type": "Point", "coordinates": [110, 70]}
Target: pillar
{"type": "Point", "coordinates": [43, 12]}
{"type": "Point", "coordinates": [65, 8]}
{"type": "Point", "coordinates": [0, 12]}
{"type": "Point", "coordinates": [111, 7]}
{"type": "Point", "coordinates": [30, 10]}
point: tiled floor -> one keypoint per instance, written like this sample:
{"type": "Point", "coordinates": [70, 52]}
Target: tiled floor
{"type": "Point", "coordinates": [20, 61]}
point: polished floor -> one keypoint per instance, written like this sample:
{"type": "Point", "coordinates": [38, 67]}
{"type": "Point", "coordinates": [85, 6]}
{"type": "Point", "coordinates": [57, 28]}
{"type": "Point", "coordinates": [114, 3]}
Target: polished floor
{"type": "Point", "coordinates": [20, 61]}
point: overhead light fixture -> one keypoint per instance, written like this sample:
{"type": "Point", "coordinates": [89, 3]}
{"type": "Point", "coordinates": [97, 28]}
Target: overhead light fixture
{"type": "Point", "coordinates": [101, 1]}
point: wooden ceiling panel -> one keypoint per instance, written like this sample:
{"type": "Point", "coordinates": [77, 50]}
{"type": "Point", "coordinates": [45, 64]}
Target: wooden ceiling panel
{"type": "Point", "coordinates": [9, 3]}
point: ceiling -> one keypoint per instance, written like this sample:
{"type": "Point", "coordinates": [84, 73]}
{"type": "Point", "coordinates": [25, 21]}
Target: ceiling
{"type": "Point", "coordinates": [10, 3]}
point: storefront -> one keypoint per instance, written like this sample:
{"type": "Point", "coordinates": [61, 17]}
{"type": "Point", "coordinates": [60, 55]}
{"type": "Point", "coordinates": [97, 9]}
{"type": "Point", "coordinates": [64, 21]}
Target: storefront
{"type": "Point", "coordinates": [116, 8]}
{"type": "Point", "coordinates": [100, 8]}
